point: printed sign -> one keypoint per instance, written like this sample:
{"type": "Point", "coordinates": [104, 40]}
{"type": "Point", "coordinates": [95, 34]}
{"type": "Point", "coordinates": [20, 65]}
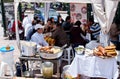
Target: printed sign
{"type": "Point", "coordinates": [78, 12]}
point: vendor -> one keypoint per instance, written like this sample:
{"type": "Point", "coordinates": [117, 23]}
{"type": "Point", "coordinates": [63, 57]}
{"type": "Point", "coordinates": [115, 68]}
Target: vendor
{"type": "Point", "coordinates": [38, 36]}
{"type": "Point", "coordinates": [114, 33]}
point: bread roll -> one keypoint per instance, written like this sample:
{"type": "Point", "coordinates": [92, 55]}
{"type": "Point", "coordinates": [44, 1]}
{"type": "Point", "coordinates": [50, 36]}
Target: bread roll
{"type": "Point", "coordinates": [110, 47]}
{"type": "Point", "coordinates": [101, 49]}
{"type": "Point", "coordinates": [111, 53]}
{"type": "Point", "coordinates": [113, 50]}
{"type": "Point", "coordinates": [99, 53]}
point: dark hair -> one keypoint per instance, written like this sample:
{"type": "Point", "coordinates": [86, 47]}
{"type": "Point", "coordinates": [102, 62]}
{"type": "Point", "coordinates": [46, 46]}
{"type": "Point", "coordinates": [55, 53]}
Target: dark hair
{"type": "Point", "coordinates": [48, 19]}
{"type": "Point", "coordinates": [58, 16]}
{"type": "Point", "coordinates": [91, 20]}
{"type": "Point", "coordinates": [67, 18]}
{"type": "Point", "coordinates": [35, 17]}
{"type": "Point", "coordinates": [78, 23]}
{"type": "Point", "coordinates": [51, 19]}
{"type": "Point", "coordinates": [38, 21]}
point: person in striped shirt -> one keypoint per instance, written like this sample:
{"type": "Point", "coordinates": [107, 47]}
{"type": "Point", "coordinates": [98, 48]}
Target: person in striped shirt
{"type": "Point", "coordinates": [94, 29]}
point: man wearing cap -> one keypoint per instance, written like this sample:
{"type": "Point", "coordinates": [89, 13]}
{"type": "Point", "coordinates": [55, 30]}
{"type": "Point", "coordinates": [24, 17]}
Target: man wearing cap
{"type": "Point", "coordinates": [38, 36]}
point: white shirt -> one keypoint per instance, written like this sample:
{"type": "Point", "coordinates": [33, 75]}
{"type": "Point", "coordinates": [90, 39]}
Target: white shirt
{"type": "Point", "coordinates": [26, 20]}
{"type": "Point", "coordinates": [27, 28]}
{"type": "Point", "coordinates": [39, 39]}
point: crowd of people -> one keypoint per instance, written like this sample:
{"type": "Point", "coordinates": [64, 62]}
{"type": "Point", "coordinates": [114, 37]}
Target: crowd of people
{"type": "Point", "coordinates": [63, 32]}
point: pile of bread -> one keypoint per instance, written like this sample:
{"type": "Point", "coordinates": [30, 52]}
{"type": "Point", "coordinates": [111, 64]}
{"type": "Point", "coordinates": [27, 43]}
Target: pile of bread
{"type": "Point", "coordinates": [50, 49]}
{"type": "Point", "coordinates": [50, 40]}
{"type": "Point", "coordinates": [108, 51]}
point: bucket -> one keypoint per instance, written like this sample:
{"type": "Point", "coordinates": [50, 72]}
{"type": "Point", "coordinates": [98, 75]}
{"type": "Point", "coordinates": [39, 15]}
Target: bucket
{"type": "Point", "coordinates": [28, 48]}
{"type": "Point", "coordinates": [7, 55]}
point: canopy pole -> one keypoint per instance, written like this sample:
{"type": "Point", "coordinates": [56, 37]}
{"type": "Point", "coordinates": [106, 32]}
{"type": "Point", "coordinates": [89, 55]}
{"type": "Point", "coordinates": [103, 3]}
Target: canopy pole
{"type": "Point", "coordinates": [16, 25]}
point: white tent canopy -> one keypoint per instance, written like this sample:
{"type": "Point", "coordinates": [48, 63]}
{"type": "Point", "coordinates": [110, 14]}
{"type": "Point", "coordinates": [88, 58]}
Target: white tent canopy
{"type": "Point", "coordinates": [105, 14]}
{"type": "Point", "coordinates": [48, 1]}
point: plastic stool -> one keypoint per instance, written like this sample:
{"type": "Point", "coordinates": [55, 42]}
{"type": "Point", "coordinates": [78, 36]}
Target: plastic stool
{"type": "Point", "coordinates": [68, 54]}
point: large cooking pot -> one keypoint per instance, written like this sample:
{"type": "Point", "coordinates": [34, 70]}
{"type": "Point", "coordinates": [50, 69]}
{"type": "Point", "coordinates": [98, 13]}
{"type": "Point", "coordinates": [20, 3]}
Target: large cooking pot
{"type": "Point", "coordinates": [28, 48]}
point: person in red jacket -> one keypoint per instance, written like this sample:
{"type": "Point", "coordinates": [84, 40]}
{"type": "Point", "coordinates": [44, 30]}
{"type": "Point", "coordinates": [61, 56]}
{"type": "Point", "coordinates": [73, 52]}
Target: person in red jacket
{"type": "Point", "coordinates": [20, 29]}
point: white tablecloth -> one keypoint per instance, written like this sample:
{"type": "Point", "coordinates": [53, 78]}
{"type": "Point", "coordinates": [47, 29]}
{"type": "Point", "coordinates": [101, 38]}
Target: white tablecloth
{"type": "Point", "coordinates": [93, 66]}
{"type": "Point", "coordinates": [92, 44]}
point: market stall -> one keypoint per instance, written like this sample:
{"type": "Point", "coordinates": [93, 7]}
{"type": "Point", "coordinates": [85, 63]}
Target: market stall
{"type": "Point", "coordinates": [105, 15]}
{"type": "Point", "coordinates": [102, 10]}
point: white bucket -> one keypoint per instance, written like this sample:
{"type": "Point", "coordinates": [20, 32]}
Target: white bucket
{"type": "Point", "coordinates": [7, 60]}
{"type": "Point", "coordinates": [7, 57]}
{"type": "Point", "coordinates": [28, 48]}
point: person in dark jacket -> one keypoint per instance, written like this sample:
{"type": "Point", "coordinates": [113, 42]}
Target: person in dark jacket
{"type": "Point", "coordinates": [67, 25]}
{"type": "Point", "coordinates": [60, 36]}
{"type": "Point", "coordinates": [76, 38]}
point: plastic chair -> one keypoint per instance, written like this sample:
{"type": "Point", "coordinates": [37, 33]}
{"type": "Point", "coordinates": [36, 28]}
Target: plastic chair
{"type": "Point", "coordinates": [68, 54]}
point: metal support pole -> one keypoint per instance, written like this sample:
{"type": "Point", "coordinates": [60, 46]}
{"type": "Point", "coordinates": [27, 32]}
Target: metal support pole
{"type": "Point", "coordinates": [3, 18]}
{"type": "Point", "coordinates": [20, 12]}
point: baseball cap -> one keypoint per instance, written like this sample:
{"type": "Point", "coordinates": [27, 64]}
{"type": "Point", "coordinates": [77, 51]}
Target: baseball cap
{"type": "Point", "coordinates": [38, 26]}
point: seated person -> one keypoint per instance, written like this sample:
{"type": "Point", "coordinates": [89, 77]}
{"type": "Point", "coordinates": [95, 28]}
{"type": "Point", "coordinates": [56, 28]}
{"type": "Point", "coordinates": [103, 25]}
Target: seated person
{"type": "Point", "coordinates": [94, 29]}
{"type": "Point", "coordinates": [38, 36]}
{"type": "Point", "coordinates": [60, 36]}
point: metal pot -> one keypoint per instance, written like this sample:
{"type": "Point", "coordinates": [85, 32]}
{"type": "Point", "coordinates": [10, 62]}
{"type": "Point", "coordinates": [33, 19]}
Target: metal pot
{"type": "Point", "coordinates": [28, 48]}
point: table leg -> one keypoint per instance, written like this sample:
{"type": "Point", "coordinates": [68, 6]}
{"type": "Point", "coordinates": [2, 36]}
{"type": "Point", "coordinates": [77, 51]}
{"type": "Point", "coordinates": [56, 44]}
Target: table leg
{"type": "Point", "coordinates": [58, 69]}
{"type": "Point", "coordinates": [21, 63]}
{"type": "Point", "coordinates": [27, 66]}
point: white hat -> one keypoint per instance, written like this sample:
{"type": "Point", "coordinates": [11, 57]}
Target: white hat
{"type": "Point", "coordinates": [38, 26]}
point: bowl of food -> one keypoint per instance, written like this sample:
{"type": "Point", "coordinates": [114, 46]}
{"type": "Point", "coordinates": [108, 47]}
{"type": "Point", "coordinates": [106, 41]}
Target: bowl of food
{"type": "Point", "coordinates": [50, 52]}
{"type": "Point", "coordinates": [80, 49]}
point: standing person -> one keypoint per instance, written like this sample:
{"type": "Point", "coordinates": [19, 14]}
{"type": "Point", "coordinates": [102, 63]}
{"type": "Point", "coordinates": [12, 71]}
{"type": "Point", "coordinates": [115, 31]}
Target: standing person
{"type": "Point", "coordinates": [20, 29]}
{"type": "Point", "coordinates": [76, 38]}
{"type": "Point", "coordinates": [31, 31]}
{"type": "Point", "coordinates": [38, 36]}
{"type": "Point", "coordinates": [60, 36]}
{"type": "Point", "coordinates": [114, 33]}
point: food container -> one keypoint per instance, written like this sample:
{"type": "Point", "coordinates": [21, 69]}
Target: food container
{"type": "Point", "coordinates": [28, 48]}
{"type": "Point", "coordinates": [65, 74]}
{"type": "Point", "coordinates": [51, 55]}
{"type": "Point", "coordinates": [47, 69]}
{"type": "Point", "coordinates": [80, 49]}
{"type": "Point", "coordinates": [7, 55]}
